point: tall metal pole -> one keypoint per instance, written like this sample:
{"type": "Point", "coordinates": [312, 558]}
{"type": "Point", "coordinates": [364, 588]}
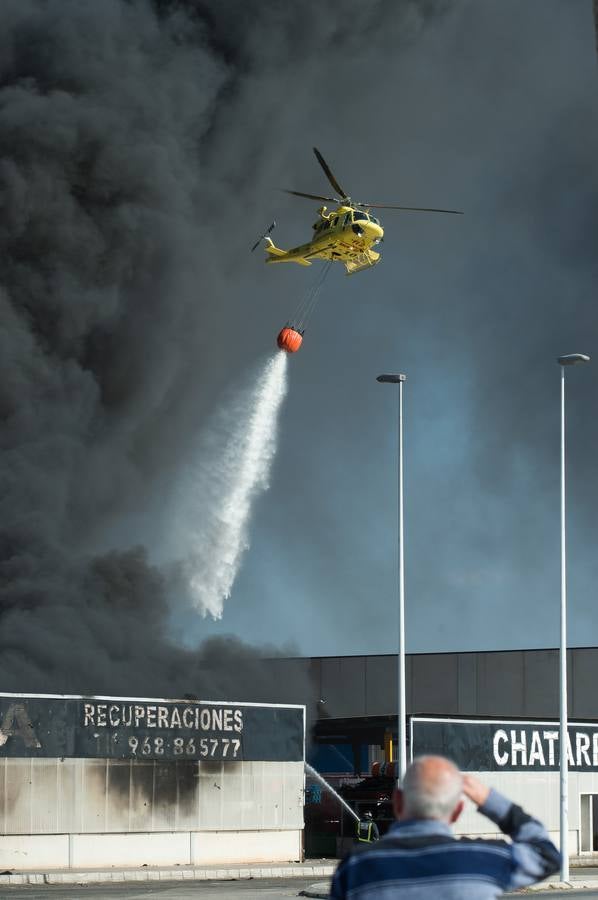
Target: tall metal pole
{"type": "Point", "coordinates": [571, 359]}
{"type": "Point", "coordinates": [402, 709]}
{"type": "Point", "coordinates": [564, 767]}
{"type": "Point", "coordinates": [400, 379]}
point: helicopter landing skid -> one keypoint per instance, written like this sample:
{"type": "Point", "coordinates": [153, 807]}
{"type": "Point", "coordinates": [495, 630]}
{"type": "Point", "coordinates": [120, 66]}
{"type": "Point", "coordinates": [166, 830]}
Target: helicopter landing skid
{"type": "Point", "coordinates": [362, 261]}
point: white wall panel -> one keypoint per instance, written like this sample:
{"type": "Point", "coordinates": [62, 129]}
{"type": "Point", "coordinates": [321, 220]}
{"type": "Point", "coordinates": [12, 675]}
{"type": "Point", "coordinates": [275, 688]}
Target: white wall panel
{"type": "Point", "coordinates": [102, 796]}
{"type": "Point", "coordinates": [245, 846]}
{"type": "Point", "coordinates": [17, 796]}
{"type": "Point", "coordinates": [130, 850]}
{"type": "Point", "coordinates": [94, 799]}
{"type": "Point", "coordinates": [538, 794]}
{"type": "Point", "coordinates": [117, 778]}
{"type": "Point", "coordinates": [45, 810]}
{"type": "Point", "coordinates": [37, 851]}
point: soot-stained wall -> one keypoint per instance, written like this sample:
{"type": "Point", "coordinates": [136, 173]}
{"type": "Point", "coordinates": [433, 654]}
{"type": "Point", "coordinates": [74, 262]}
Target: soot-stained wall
{"type": "Point", "coordinates": [112, 780]}
{"type": "Point", "coordinates": [53, 796]}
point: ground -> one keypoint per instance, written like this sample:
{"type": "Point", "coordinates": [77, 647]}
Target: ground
{"type": "Point", "coordinates": [246, 889]}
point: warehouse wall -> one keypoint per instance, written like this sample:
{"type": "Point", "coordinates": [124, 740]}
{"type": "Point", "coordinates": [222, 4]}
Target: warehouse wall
{"type": "Point", "coordinates": [501, 684]}
{"type": "Point", "coordinates": [77, 851]}
{"type": "Point", "coordinates": [538, 793]}
{"type": "Point", "coordinates": [82, 812]}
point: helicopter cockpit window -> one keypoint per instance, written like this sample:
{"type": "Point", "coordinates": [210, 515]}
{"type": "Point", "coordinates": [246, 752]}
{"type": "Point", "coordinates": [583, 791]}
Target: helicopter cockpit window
{"type": "Point", "coordinates": [347, 219]}
{"type": "Point", "coordinates": [374, 219]}
{"type": "Point", "coordinates": [359, 216]}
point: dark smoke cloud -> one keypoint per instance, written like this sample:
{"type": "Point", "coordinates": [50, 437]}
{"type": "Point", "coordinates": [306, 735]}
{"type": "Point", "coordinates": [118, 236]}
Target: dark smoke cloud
{"type": "Point", "coordinates": [136, 141]}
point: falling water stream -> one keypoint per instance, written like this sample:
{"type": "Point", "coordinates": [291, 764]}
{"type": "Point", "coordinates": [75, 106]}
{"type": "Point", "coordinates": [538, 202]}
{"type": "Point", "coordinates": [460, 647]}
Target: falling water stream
{"type": "Point", "coordinates": [233, 468]}
{"type": "Point", "coordinates": [311, 771]}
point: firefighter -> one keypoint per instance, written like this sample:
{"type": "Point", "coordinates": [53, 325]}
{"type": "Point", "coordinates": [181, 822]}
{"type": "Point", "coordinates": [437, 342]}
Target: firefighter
{"type": "Point", "coordinates": [367, 830]}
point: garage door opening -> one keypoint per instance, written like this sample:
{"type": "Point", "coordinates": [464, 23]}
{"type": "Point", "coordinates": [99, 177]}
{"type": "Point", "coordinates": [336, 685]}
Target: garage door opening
{"type": "Point", "coordinates": [589, 823]}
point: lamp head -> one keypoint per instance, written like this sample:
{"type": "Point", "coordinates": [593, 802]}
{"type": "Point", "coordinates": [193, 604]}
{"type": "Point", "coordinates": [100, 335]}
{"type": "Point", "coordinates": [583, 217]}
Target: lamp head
{"type": "Point", "coordinates": [572, 359]}
{"type": "Point", "coordinates": [390, 378]}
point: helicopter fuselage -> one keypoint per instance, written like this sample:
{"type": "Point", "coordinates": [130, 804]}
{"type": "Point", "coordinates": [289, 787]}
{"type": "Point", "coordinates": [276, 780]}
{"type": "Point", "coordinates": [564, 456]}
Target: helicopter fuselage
{"type": "Point", "coordinates": [345, 235]}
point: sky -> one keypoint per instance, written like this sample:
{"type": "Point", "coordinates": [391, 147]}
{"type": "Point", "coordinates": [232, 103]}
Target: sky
{"type": "Point", "coordinates": [144, 148]}
{"type": "Point", "coordinates": [494, 110]}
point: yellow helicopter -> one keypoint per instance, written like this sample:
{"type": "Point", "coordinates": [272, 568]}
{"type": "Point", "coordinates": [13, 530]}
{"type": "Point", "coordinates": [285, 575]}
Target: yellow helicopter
{"type": "Point", "coordinates": [346, 234]}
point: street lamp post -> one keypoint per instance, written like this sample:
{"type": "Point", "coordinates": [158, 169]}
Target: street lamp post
{"type": "Point", "coordinates": [401, 704]}
{"type": "Point", "coordinates": [570, 359]}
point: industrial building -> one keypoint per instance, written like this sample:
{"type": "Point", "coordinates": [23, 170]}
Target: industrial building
{"type": "Point", "coordinates": [521, 760]}
{"type": "Point", "coordinates": [494, 713]}
{"type": "Point", "coordinates": [118, 781]}
{"type": "Point", "coordinates": [113, 781]}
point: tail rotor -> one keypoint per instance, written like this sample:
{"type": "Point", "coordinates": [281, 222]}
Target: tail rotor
{"type": "Point", "coordinates": [267, 232]}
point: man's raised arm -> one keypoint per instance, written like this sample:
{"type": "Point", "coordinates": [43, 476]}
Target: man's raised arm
{"type": "Point", "coordinates": [534, 856]}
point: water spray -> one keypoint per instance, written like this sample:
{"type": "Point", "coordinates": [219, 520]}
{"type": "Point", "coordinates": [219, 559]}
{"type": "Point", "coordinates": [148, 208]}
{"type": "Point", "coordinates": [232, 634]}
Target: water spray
{"type": "Point", "coordinates": [312, 772]}
{"type": "Point", "coordinates": [234, 469]}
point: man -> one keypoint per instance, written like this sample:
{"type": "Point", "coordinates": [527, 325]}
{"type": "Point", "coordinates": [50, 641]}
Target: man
{"type": "Point", "coordinates": [419, 857]}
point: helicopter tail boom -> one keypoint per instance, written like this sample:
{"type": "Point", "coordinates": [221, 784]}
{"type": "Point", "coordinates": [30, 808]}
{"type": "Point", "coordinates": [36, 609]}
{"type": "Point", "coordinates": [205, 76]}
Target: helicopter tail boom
{"type": "Point", "coordinates": [276, 255]}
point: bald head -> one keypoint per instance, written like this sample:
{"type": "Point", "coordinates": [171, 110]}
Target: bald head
{"type": "Point", "coordinates": [431, 789]}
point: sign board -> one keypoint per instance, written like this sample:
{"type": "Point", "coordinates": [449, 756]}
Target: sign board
{"type": "Point", "coordinates": [128, 728]}
{"type": "Point", "coordinates": [505, 746]}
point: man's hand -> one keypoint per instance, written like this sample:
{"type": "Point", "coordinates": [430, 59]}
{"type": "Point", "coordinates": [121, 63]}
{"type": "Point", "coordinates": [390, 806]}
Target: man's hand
{"type": "Point", "coordinates": [475, 790]}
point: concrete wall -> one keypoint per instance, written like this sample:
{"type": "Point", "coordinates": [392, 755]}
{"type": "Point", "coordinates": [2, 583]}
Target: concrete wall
{"type": "Point", "coordinates": [61, 851]}
{"type": "Point", "coordinates": [85, 796]}
{"type": "Point", "coordinates": [87, 812]}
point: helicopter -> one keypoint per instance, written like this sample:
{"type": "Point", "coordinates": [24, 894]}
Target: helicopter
{"type": "Point", "coordinates": [347, 234]}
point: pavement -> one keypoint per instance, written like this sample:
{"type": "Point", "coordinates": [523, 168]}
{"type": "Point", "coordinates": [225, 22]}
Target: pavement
{"type": "Point", "coordinates": [579, 882]}
{"type": "Point", "coordinates": [584, 879]}
{"type": "Point", "coordinates": [313, 868]}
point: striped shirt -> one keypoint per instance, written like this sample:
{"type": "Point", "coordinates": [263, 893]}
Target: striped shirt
{"type": "Point", "coordinates": [421, 859]}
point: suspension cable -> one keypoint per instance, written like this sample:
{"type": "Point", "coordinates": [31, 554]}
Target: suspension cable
{"type": "Point", "coordinates": [310, 298]}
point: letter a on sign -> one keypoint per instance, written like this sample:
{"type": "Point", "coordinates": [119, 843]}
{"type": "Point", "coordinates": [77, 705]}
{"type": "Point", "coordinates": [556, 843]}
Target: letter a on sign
{"type": "Point", "coordinates": [16, 723]}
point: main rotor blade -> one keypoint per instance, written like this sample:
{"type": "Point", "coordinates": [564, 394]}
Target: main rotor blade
{"type": "Point", "coordinates": [312, 196]}
{"type": "Point", "coordinates": [328, 173]}
{"type": "Point", "coordinates": [455, 212]}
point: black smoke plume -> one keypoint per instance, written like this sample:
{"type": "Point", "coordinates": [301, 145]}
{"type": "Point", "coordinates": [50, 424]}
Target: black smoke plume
{"type": "Point", "coordinates": [135, 139]}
